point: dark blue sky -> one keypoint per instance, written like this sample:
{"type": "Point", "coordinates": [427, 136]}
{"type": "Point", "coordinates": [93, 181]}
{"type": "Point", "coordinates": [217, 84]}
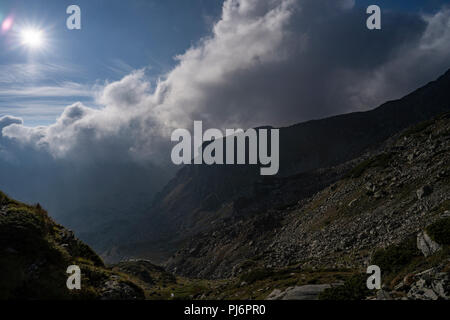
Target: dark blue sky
{"type": "Point", "coordinates": [117, 36]}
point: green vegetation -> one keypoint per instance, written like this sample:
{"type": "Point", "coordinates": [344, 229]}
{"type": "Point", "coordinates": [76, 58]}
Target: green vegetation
{"type": "Point", "coordinates": [381, 160]}
{"type": "Point", "coordinates": [259, 283]}
{"type": "Point", "coordinates": [398, 261]}
{"type": "Point", "coordinates": [255, 275]}
{"type": "Point", "coordinates": [354, 288]}
{"type": "Point", "coordinates": [189, 290]}
{"type": "Point", "coordinates": [35, 253]}
{"type": "Point", "coordinates": [440, 231]}
{"type": "Point", "coordinates": [444, 206]}
{"type": "Point", "coordinates": [396, 257]}
{"type": "Point", "coordinates": [248, 265]}
{"type": "Point", "coordinates": [142, 270]}
{"type": "Point", "coordinates": [417, 128]}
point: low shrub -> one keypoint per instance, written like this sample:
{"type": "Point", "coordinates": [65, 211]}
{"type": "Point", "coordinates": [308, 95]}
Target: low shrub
{"type": "Point", "coordinates": [396, 257]}
{"type": "Point", "coordinates": [256, 275]}
{"type": "Point", "coordinates": [381, 160]}
{"type": "Point", "coordinates": [354, 288]}
{"type": "Point", "coordinates": [440, 231]}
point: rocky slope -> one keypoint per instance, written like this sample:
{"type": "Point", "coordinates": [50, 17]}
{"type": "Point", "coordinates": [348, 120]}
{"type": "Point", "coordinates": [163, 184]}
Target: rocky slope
{"type": "Point", "coordinates": [395, 192]}
{"type": "Point", "coordinates": [385, 195]}
{"type": "Point", "coordinates": [35, 253]}
{"type": "Point", "coordinates": [190, 203]}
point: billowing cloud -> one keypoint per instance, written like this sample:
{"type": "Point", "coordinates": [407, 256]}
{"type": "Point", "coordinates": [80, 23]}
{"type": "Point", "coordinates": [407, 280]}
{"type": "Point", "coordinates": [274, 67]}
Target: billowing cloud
{"type": "Point", "coordinates": [266, 62]}
{"type": "Point", "coordinates": [278, 62]}
{"type": "Point", "coordinates": [7, 121]}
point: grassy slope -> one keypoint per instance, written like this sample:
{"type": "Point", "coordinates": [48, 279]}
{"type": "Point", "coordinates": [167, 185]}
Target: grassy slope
{"type": "Point", "coordinates": [35, 253]}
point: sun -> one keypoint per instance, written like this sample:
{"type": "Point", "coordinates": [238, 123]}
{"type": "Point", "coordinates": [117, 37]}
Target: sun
{"type": "Point", "coordinates": [32, 38]}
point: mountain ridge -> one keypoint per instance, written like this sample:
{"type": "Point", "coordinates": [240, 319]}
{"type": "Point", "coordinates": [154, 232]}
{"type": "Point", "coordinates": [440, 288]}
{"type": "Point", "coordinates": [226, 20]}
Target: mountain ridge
{"type": "Point", "coordinates": [382, 198]}
{"type": "Point", "coordinates": [196, 193]}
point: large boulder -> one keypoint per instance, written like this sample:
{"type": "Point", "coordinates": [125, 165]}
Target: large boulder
{"type": "Point", "coordinates": [423, 192]}
{"type": "Point", "coordinates": [426, 245]}
{"type": "Point", "coordinates": [432, 284]}
{"type": "Point", "coordinates": [306, 292]}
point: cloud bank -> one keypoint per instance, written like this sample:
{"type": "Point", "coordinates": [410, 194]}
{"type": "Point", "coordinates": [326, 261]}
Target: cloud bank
{"type": "Point", "coordinates": [266, 62]}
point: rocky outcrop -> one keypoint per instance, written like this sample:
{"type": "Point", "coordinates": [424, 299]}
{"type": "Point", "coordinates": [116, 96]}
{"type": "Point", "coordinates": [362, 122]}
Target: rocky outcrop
{"type": "Point", "coordinates": [424, 191]}
{"type": "Point", "coordinates": [426, 245]}
{"type": "Point", "coordinates": [383, 295]}
{"type": "Point", "coordinates": [432, 284]}
{"type": "Point", "coordinates": [306, 292]}
{"type": "Point", "coordinates": [117, 289]}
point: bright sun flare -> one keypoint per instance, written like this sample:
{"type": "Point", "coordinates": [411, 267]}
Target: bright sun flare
{"type": "Point", "coordinates": [32, 38]}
